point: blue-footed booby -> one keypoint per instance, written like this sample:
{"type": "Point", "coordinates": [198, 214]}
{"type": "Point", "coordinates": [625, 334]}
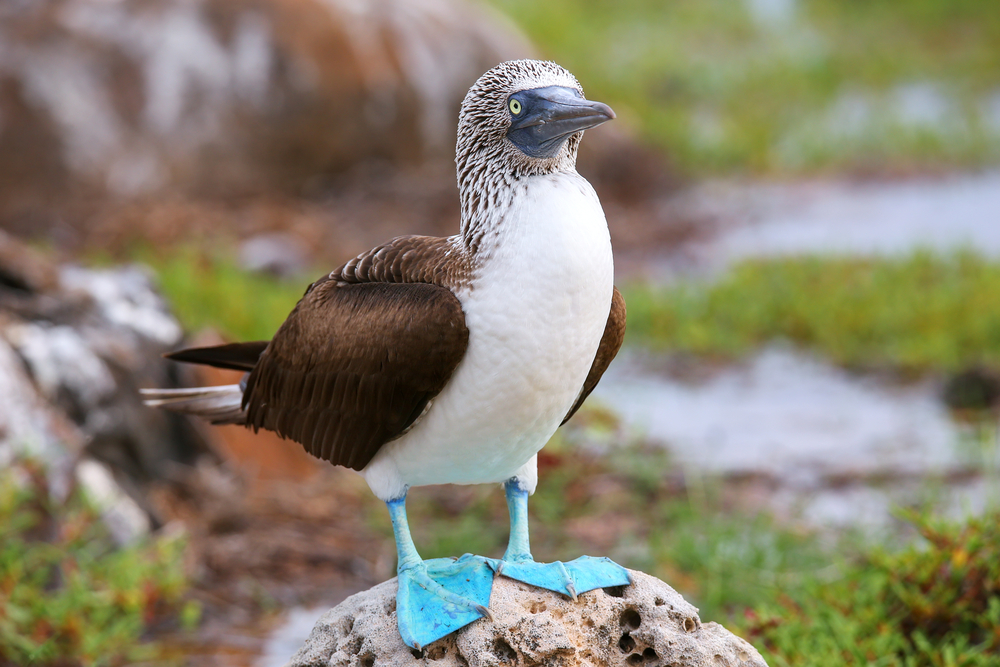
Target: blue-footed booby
{"type": "Point", "coordinates": [453, 360]}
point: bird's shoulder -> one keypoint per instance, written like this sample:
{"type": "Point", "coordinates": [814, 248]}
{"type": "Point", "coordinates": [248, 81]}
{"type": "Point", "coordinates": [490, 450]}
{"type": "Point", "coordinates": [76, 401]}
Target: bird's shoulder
{"type": "Point", "coordinates": [434, 260]}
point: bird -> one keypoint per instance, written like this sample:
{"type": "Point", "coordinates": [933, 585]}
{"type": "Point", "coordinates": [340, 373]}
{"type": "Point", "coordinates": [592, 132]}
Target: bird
{"type": "Point", "coordinates": [453, 360]}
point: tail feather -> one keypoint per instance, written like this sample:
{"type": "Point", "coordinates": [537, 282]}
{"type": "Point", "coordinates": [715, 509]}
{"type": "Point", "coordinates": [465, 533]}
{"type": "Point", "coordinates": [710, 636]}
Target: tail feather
{"type": "Point", "coordinates": [218, 405]}
{"type": "Point", "coordinates": [234, 356]}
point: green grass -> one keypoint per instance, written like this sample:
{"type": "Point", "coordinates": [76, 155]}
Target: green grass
{"type": "Point", "coordinates": [213, 291]}
{"type": "Point", "coordinates": [933, 604]}
{"type": "Point", "coordinates": [68, 596]}
{"type": "Point", "coordinates": [918, 313]}
{"type": "Point", "coordinates": [722, 93]}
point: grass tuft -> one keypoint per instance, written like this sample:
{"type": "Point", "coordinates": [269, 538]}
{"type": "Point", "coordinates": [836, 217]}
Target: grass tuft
{"type": "Point", "coordinates": [68, 595]}
{"type": "Point", "coordinates": [919, 313]}
{"type": "Point", "coordinates": [933, 604]}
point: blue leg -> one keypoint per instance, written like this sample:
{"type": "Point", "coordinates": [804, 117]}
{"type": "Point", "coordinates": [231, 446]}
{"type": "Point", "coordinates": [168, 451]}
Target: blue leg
{"type": "Point", "coordinates": [438, 596]}
{"type": "Point", "coordinates": [578, 576]}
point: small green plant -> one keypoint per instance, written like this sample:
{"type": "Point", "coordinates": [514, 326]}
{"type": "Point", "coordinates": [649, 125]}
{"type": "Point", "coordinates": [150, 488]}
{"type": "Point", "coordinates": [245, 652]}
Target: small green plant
{"type": "Point", "coordinates": [934, 604]}
{"type": "Point", "coordinates": [922, 312]}
{"type": "Point", "coordinates": [68, 595]}
{"type": "Point", "coordinates": [211, 290]}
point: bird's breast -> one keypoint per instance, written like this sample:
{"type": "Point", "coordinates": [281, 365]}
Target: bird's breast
{"type": "Point", "coordinates": [536, 310]}
{"type": "Point", "coordinates": [541, 299]}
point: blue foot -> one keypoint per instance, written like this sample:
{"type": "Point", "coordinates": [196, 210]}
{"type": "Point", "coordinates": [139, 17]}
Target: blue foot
{"type": "Point", "coordinates": [579, 576]}
{"type": "Point", "coordinates": [441, 595]}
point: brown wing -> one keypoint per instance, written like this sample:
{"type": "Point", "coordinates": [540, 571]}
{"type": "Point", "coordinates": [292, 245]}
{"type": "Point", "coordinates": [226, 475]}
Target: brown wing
{"type": "Point", "coordinates": [354, 366]}
{"type": "Point", "coordinates": [611, 342]}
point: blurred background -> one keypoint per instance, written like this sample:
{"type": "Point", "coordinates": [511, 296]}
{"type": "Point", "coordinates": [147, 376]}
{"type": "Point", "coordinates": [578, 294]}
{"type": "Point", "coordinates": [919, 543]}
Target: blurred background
{"type": "Point", "coordinates": [800, 434]}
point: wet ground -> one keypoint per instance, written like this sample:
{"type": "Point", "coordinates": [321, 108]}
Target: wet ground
{"type": "Point", "coordinates": [840, 448]}
{"type": "Point", "coordinates": [837, 448]}
{"type": "Point", "coordinates": [941, 213]}
{"type": "Point", "coordinates": [756, 219]}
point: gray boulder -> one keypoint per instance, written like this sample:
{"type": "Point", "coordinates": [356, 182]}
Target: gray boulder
{"type": "Point", "coordinates": [75, 346]}
{"type": "Point", "coordinates": [646, 623]}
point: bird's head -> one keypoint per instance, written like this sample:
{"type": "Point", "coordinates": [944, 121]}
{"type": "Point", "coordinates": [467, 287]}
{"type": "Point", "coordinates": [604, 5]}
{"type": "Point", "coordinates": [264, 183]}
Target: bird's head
{"type": "Point", "coordinates": [524, 117]}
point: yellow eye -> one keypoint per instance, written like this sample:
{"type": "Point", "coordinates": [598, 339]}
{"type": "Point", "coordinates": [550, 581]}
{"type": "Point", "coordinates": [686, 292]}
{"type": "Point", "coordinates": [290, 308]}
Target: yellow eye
{"type": "Point", "coordinates": [515, 107]}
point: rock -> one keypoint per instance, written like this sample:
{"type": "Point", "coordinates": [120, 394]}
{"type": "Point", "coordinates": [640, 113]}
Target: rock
{"type": "Point", "coordinates": [280, 254]}
{"type": "Point", "coordinates": [646, 623]}
{"type": "Point", "coordinates": [75, 346]}
{"type": "Point", "coordinates": [216, 96]}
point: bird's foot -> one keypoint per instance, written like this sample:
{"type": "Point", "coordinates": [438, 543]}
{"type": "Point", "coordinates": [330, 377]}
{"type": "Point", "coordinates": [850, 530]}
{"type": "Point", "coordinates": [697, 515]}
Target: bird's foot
{"type": "Point", "coordinates": [578, 576]}
{"type": "Point", "coordinates": [441, 595]}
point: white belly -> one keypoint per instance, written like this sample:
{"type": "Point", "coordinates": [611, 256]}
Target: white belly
{"type": "Point", "coordinates": [536, 312]}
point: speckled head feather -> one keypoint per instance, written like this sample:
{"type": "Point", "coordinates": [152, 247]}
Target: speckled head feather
{"type": "Point", "coordinates": [488, 163]}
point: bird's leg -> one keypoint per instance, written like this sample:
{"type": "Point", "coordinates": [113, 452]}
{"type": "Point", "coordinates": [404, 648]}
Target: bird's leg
{"type": "Point", "coordinates": [519, 544]}
{"type": "Point", "coordinates": [438, 596]}
{"type": "Point", "coordinates": [578, 576]}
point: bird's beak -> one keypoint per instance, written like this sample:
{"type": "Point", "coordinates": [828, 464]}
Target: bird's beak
{"type": "Point", "coordinates": [549, 115]}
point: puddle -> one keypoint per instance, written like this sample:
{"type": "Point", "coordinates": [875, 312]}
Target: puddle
{"type": "Point", "coordinates": [290, 636]}
{"type": "Point", "coordinates": [856, 218]}
{"type": "Point", "coordinates": [839, 447]}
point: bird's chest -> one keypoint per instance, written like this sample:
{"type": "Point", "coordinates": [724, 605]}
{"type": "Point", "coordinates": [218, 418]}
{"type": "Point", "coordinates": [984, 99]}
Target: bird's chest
{"type": "Point", "coordinates": [540, 301]}
{"type": "Point", "coordinates": [536, 310]}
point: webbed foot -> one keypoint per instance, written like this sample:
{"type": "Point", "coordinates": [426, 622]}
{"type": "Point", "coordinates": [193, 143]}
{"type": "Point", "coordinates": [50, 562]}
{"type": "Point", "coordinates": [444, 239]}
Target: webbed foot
{"type": "Point", "coordinates": [578, 576]}
{"type": "Point", "coordinates": [441, 595]}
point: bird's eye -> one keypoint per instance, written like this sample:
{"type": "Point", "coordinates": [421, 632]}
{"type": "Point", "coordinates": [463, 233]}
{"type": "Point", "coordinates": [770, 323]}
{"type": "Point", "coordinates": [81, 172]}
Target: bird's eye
{"type": "Point", "coordinates": [515, 107]}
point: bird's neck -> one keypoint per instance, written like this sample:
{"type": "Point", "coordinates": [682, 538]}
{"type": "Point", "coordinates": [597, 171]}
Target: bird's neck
{"type": "Point", "coordinates": [554, 212]}
{"type": "Point", "coordinates": [488, 184]}
{"type": "Point", "coordinates": [487, 200]}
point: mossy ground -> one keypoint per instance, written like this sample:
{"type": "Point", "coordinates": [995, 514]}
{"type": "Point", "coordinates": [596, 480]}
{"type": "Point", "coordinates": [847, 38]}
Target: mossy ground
{"type": "Point", "coordinates": [919, 313]}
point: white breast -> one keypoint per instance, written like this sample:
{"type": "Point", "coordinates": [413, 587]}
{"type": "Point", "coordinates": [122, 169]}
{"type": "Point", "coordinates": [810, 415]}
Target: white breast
{"type": "Point", "coordinates": [536, 312]}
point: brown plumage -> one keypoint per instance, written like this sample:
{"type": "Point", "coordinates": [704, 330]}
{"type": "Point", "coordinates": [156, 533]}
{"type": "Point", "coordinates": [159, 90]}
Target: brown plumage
{"type": "Point", "coordinates": [355, 365]}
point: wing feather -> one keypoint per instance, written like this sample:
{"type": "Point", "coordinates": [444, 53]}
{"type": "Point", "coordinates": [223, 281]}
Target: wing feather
{"type": "Point", "coordinates": [379, 352]}
{"type": "Point", "coordinates": [362, 354]}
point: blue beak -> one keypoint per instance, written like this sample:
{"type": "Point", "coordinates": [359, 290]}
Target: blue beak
{"type": "Point", "coordinates": [548, 116]}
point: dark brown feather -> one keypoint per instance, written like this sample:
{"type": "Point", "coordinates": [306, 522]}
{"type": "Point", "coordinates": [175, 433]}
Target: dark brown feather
{"type": "Point", "coordinates": [354, 366]}
{"type": "Point", "coordinates": [234, 356]}
{"type": "Point", "coordinates": [409, 259]}
{"type": "Point", "coordinates": [361, 355]}
{"type": "Point", "coordinates": [611, 342]}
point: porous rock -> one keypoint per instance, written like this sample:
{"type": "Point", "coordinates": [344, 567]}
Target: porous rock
{"type": "Point", "coordinates": [646, 623]}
